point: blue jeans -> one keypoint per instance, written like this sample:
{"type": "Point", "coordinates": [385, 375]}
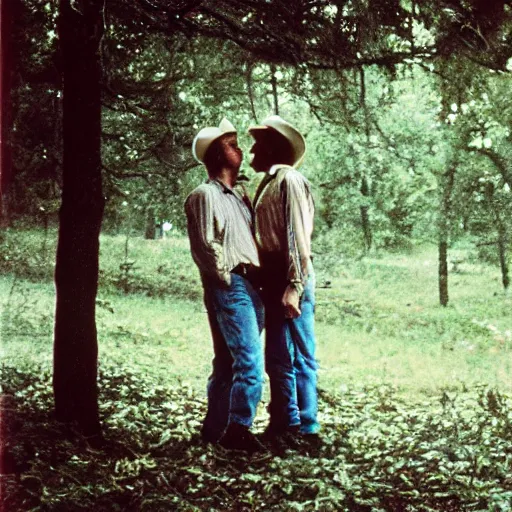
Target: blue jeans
{"type": "Point", "coordinates": [235, 385]}
{"type": "Point", "coordinates": [290, 360]}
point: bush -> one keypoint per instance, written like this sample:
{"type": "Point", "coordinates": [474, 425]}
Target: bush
{"type": "Point", "coordinates": [155, 268]}
{"type": "Point", "coordinates": [29, 254]}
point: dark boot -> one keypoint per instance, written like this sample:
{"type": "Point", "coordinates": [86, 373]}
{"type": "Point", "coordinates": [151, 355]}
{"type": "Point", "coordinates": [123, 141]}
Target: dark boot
{"type": "Point", "coordinates": [311, 444]}
{"type": "Point", "coordinates": [282, 439]}
{"type": "Point", "coordinates": [239, 437]}
{"type": "Point", "coordinates": [207, 436]}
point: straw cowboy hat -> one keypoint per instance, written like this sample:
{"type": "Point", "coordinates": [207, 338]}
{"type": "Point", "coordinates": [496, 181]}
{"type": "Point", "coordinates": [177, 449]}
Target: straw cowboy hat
{"type": "Point", "coordinates": [206, 136]}
{"type": "Point", "coordinates": [293, 136]}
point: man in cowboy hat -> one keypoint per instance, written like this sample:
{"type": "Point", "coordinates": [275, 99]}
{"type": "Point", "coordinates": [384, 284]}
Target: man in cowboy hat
{"type": "Point", "coordinates": [223, 247]}
{"type": "Point", "coordinates": [284, 211]}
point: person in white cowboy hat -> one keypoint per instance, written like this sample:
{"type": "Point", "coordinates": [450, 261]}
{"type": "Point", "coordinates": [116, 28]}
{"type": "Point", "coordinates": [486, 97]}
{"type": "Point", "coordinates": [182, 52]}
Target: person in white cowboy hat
{"type": "Point", "coordinates": [284, 211]}
{"type": "Point", "coordinates": [223, 248]}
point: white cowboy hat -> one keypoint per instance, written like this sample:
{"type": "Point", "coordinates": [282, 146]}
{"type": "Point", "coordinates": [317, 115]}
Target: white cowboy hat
{"type": "Point", "coordinates": [207, 135]}
{"type": "Point", "coordinates": [293, 136]}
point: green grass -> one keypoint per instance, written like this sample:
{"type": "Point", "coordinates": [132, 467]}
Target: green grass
{"type": "Point", "coordinates": [406, 421]}
{"type": "Point", "coordinates": [378, 322]}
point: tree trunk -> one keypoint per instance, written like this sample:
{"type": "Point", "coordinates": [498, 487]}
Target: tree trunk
{"type": "Point", "coordinates": [250, 91]}
{"type": "Point", "coordinates": [150, 231]}
{"type": "Point", "coordinates": [76, 273]}
{"type": "Point", "coordinates": [444, 233]}
{"type": "Point", "coordinates": [501, 228]}
{"type": "Point", "coordinates": [443, 272]}
{"type": "Point", "coordinates": [502, 250]}
{"type": "Point", "coordinates": [365, 216]}
{"type": "Point", "coordinates": [273, 83]}
{"type": "Point", "coordinates": [5, 102]}
{"type": "Point", "coordinates": [365, 187]}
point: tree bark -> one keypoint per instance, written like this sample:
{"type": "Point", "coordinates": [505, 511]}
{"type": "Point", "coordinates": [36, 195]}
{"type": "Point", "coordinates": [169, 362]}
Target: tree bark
{"type": "Point", "coordinates": [443, 272]}
{"type": "Point", "coordinates": [365, 186]}
{"type": "Point", "coordinates": [5, 102]}
{"type": "Point", "coordinates": [250, 91]}
{"type": "Point", "coordinates": [150, 231]}
{"type": "Point", "coordinates": [76, 273]}
{"type": "Point", "coordinates": [365, 216]}
{"type": "Point", "coordinates": [501, 229]}
{"type": "Point", "coordinates": [273, 83]}
{"type": "Point", "coordinates": [502, 252]}
{"type": "Point", "coordinates": [444, 233]}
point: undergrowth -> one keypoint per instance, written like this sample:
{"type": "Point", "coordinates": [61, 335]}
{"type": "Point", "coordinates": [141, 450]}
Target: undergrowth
{"type": "Point", "coordinates": [449, 453]}
{"type": "Point", "coordinates": [154, 268]}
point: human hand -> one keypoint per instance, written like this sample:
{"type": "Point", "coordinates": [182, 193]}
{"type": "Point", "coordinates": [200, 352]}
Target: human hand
{"type": "Point", "coordinates": [224, 280]}
{"type": "Point", "coordinates": [290, 302]}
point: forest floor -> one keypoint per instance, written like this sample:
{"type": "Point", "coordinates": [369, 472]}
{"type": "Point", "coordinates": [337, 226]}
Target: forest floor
{"type": "Point", "coordinates": [415, 398]}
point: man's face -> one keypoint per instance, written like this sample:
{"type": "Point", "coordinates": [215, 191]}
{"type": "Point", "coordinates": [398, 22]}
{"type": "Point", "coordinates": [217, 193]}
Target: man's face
{"type": "Point", "coordinates": [262, 151]}
{"type": "Point", "coordinates": [232, 153]}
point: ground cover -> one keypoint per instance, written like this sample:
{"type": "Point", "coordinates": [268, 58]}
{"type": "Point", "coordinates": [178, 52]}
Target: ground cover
{"type": "Point", "coordinates": [415, 397]}
{"type": "Point", "coordinates": [451, 453]}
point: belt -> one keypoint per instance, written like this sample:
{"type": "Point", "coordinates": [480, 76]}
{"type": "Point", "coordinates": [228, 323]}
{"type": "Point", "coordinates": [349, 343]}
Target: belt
{"type": "Point", "coordinates": [244, 269]}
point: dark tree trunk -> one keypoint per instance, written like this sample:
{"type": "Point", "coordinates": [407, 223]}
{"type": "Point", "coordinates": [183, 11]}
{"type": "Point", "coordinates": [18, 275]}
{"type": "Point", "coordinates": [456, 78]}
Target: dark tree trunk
{"type": "Point", "coordinates": [365, 187]}
{"type": "Point", "coordinates": [250, 91]}
{"type": "Point", "coordinates": [365, 216]}
{"type": "Point", "coordinates": [502, 251]}
{"type": "Point", "coordinates": [501, 229]}
{"type": "Point", "coordinates": [150, 231]}
{"type": "Point", "coordinates": [273, 83]}
{"type": "Point", "coordinates": [444, 233]}
{"type": "Point", "coordinates": [443, 272]}
{"type": "Point", "coordinates": [5, 102]}
{"type": "Point", "coordinates": [76, 274]}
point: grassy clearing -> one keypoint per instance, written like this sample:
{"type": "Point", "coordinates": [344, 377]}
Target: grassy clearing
{"type": "Point", "coordinates": [384, 314]}
{"type": "Point", "coordinates": [378, 321]}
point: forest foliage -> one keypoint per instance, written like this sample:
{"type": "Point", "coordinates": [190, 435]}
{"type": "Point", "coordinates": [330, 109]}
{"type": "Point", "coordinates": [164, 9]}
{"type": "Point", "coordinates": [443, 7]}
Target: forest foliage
{"type": "Point", "coordinates": [382, 134]}
{"type": "Point", "coordinates": [405, 108]}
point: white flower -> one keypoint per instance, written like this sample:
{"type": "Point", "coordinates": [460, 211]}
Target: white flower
{"type": "Point", "coordinates": [476, 143]}
{"type": "Point", "coordinates": [451, 118]}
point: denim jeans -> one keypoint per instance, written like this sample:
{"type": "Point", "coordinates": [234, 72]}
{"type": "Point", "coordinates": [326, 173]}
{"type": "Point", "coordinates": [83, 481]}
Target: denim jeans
{"type": "Point", "coordinates": [235, 385]}
{"type": "Point", "coordinates": [290, 360]}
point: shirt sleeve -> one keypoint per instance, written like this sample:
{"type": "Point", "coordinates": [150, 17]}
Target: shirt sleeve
{"type": "Point", "coordinates": [299, 226]}
{"type": "Point", "coordinates": [205, 237]}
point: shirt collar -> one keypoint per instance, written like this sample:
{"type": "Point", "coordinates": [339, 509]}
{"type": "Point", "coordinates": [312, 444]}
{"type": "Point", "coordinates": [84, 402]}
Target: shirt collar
{"type": "Point", "coordinates": [275, 168]}
{"type": "Point", "coordinates": [219, 183]}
